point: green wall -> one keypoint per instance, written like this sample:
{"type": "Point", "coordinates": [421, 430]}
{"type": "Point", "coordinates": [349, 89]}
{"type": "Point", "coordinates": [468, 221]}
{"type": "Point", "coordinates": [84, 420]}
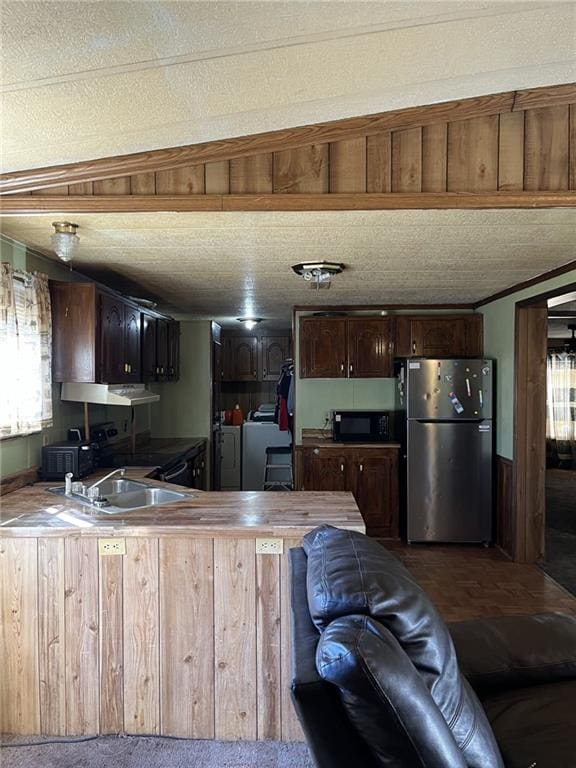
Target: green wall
{"type": "Point", "coordinates": [315, 399]}
{"type": "Point", "coordinates": [184, 406]}
{"type": "Point", "coordinates": [499, 345]}
{"type": "Point", "coordinates": [18, 453]}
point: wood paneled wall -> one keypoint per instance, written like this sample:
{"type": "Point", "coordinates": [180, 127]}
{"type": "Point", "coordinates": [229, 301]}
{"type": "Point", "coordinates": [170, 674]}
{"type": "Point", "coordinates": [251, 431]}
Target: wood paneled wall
{"type": "Point", "coordinates": [248, 394]}
{"type": "Point", "coordinates": [504, 517]}
{"type": "Point", "coordinates": [506, 144]}
{"type": "Point", "coordinates": [181, 636]}
{"type": "Point", "coordinates": [530, 351]}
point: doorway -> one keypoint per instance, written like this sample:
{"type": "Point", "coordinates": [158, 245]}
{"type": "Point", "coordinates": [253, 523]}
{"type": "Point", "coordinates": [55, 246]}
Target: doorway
{"type": "Point", "coordinates": [560, 517]}
{"type": "Point", "coordinates": [536, 486]}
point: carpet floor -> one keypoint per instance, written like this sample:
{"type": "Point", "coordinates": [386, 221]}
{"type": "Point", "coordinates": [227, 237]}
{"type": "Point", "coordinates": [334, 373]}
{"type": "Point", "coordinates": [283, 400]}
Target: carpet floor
{"type": "Point", "coordinates": [150, 752]}
{"type": "Point", "coordinates": [561, 527]}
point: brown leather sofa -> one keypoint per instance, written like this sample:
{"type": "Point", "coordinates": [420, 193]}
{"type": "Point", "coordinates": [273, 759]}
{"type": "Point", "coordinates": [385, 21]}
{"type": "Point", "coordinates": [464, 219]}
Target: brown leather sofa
{"type": "Point", "coordinates": [380, 680]}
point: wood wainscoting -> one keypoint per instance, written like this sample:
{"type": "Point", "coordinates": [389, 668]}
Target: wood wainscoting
{"type": "Point", "coordinates": [504, 517]}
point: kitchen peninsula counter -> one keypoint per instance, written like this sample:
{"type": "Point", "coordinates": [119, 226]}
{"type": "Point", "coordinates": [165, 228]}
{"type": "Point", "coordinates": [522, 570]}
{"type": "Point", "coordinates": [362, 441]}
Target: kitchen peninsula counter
{"type": "Point", "coordinates": [34, 511]}
{"type": "Point", "coordinates": [171, 620]}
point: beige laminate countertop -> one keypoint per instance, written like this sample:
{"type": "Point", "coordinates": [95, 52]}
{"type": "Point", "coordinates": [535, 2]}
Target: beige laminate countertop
{"type": "Point", "coordinates": [33, 511]}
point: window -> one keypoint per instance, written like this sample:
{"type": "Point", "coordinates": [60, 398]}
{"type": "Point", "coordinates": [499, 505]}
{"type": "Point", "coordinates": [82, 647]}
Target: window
{"type": "Point", "coordinates": [561, 407]}
{"type": "Point", "coordinates": [25, 352]}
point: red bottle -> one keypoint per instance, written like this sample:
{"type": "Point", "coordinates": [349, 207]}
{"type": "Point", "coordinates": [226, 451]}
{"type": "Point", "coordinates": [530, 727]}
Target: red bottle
{"type": "Point", "coordinates": [237, 416]}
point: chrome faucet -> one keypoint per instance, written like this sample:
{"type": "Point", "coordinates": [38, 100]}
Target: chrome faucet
{"type": "Point", "coordinates": [106, 477]}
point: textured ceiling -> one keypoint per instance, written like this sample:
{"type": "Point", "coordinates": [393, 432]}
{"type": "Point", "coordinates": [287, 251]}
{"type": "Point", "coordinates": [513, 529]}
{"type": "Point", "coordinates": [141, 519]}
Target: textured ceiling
{"type": "Point", "coordinates": [223, 265]}
{"type": "Point", "coordinates": [90, 79]}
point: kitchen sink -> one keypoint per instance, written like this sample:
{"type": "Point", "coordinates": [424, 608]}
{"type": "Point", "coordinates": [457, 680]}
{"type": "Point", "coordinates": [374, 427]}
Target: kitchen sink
{"type": "Point", "coordinates": [120, 485]}
{"type": "Point", "coordinates": [146, 497]}
{"type": "Point", "coordinates": [124, 495]}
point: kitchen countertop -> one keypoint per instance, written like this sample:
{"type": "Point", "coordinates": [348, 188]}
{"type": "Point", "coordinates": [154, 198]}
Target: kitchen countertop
{"type": "Point", "coordinates": [33, 511]}
{"type": "Point", "coordinates": [327, 442]}
{"type": "Point", "coordinates": [322, 438]}
{"type": "Point", "coordinates": [156, 451]}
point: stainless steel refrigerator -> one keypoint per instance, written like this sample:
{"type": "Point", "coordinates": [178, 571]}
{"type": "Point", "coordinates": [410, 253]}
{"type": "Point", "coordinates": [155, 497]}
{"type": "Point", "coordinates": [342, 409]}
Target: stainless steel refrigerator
{"type": "Point", "coordinates": [449, 447]}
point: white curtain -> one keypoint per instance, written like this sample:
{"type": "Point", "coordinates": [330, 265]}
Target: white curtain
{"type": "Point", "coordinates": [25, 352]}
{"type": "Point", "coordinates": [561, 405]}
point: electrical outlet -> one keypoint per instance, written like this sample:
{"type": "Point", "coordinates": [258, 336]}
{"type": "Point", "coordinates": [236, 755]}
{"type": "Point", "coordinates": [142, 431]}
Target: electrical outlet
{"type": "Point", "coordinates": [111, 546]}
{"type": "Point", "coordinates": [269, 546]}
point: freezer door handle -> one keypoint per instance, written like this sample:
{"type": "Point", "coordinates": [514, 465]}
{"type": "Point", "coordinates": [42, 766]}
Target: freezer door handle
{"type": "Point", "coordinates": [449, 421]}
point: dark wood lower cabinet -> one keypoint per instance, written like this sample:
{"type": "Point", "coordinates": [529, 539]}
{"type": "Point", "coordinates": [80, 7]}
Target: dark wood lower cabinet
{"type": "Point", "coordinates": [323, 470]}
{"type": "Point", "coordinates": [370, 473]}
{"type": "Point", "coordinates": [374, 484]}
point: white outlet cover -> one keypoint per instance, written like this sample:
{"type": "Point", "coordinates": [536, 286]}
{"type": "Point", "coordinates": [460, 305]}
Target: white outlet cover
{"type": "Point", "coordinates": [269, 546]}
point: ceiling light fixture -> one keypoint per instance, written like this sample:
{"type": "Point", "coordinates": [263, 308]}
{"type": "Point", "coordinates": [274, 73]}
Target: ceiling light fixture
{"type": "Point", "coordinates": [249, 322]}
{"type": "Point", "coordinates": [318, 273]}
{"type": "Point", "coordinates": [65, 241]}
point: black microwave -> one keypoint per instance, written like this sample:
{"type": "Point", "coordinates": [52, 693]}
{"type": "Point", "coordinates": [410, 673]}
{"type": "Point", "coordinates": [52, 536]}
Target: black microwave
{"type": "Point", "coordinates": [60, 458]}
{"type": "Point", "coordinates": [362, 426]}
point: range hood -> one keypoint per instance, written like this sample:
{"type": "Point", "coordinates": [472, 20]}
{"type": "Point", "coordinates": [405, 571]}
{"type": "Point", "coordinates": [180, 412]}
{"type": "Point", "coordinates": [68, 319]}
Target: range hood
{"type": "Point", "coordinates": [108, 394]}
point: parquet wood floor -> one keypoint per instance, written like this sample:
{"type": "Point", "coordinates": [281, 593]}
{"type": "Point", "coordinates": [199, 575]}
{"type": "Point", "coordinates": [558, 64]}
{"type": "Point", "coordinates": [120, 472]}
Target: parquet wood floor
{"type": "Point", "coordinates": [470, 582]}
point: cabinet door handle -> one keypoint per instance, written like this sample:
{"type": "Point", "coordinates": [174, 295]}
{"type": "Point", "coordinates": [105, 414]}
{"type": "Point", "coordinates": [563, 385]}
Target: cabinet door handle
{"type": "Point", "coordinates": [341, 467]}
{"type": "Point", "coordinates": [351, 368]}
{"type": "Point", "coordinates": [162, 370]}
{"type": "Point", "coordinates": [414, 347]}
{"type": "Point", "coordinates": [341, 367]}
{"type": "Point", "coordinates": [125, 367]}
{"type": "Point", "coordinates": [361, 467]}
{"type": "Point", "coordinates": [129, 367]}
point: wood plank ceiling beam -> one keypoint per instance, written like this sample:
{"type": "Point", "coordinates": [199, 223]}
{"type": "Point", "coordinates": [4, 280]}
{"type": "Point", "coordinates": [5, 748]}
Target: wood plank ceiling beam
{"type": "Point", "coordinates": [275, 141]}
{"type": "Point", "coordinates": [14, 204]}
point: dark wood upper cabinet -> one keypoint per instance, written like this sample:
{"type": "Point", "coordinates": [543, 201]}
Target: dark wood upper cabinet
{"type": "Point", "coordinates": [240, 358]}
{"type": "Point", "coordinates": [173, 350]}
{"type": "Point", "coordinates": [474, 336]}
{"type": "Point", "coordinates": [369, 347]}
{"type": "Point", "coordinates": [433, 336]}
{"type": "Point", "coordinates": [132, 343]}
{"type": "Point", "coordinates": [99, 337]}
{"type": "Point", "coordinates": [274, 351]}
{"type": "Point", "coordinates": [345, 347]}
{"type": "Point", "coordinates": [75, 324]}
{"type": "Point", "coordinates": [437, 338]}
{"type": "Point", "coordinates": [323, 352]}
{"type": "Point", "coordinates": [148, 347]}
{"type": "Point", "coordinates": [251, 358]}
{"type": "Point", "coordinates": [162, 349]}
{"type": "Point", "coordinates": [113, 364]}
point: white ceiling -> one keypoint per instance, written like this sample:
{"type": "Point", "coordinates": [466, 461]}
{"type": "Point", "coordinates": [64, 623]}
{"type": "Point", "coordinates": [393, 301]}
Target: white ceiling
{"type": "Point", "coordinates": [84, 79]}
{"type": "Point", "coordinates": [224, 265]}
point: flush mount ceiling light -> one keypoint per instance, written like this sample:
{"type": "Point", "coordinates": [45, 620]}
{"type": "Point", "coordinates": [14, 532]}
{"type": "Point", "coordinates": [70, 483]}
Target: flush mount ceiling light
{"type": "Point", "coordinates": [318, 273]}
{"type": "Point", "coordinates": [249, 322]}
{"type": "Point", "coordinates": [65, 240]}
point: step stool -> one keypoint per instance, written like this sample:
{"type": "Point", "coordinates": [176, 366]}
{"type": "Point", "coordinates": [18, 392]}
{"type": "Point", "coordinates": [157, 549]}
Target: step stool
{"type": "Point", "coordinates": [278, 458]}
